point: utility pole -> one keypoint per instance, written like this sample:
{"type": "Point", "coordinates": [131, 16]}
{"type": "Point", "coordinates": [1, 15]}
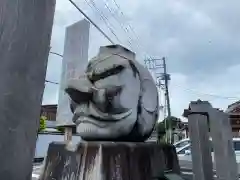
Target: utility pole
{"type": "Point", "coordinates": [166, 78]}
{"type": "Point", "coordinates": [25, 33]}
{"type": "Point", "coordinates": [159, 69]}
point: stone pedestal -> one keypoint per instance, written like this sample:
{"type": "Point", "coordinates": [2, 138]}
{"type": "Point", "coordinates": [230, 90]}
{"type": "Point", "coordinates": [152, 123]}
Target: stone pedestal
{"type": "Point", "coordinates": [110, 161]}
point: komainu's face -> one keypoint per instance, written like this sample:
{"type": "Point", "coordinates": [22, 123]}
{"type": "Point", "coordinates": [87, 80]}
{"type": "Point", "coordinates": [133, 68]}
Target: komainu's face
{"type": "Point", "coordinates": [105, 100]}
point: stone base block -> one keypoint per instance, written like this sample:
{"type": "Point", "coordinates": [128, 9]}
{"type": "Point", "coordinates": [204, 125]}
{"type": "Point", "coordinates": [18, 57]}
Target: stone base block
{"type": "Point", "coordinates": [110, 161]}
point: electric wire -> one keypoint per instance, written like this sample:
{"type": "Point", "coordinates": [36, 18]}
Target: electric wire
{"type": "Point", "coordinates": [139, 44]}
{"type": "Point", "coordinates": [208, 94]}
{"type": "Point", "coordinates": [58, 54]}
{"type": "Point", "coordinates": [104, 18]}
{"type": "Point", "coordinates": [52, 82]}
{"type": "Point", "coordinates": [120, 23]}
{"type": "Point", "coordinates": [93, 6]}
{"type": "Point", "coordinates": [91, 21]}
{"type": "Point", "coordinates": [51, 52]}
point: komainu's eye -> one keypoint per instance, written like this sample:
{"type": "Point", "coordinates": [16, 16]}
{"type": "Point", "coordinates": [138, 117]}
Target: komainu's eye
{"type": "Point", "coordinates": [96, 76]}
{"type": "Point", "coordinates": [77, 96]}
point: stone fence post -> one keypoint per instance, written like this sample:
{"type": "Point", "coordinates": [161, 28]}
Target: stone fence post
{"type": "Point", "coordinates": [202, 117]}
{"type": "Point", "coordinates": [224, 154]}
{"type": "Point", "coordinates": [197, 115]}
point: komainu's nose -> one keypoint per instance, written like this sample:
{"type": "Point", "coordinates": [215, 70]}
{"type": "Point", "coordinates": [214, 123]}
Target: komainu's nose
{"type": "Point", "coordinates": [102, 97]}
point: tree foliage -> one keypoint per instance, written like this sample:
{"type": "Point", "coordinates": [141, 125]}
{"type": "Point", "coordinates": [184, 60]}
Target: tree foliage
{"type": "Point", "coordinates": [42, 124]}
{"type": "Point", "coordinates": [61, 129]}
{"type": "Point", "coordinates": [164, 126]}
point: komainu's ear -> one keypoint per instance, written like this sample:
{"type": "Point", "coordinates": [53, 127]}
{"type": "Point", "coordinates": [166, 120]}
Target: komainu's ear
{"type": "Point", "coordinates": [148, 102]}
{"type": "Point", "coordinates": [149, 95]}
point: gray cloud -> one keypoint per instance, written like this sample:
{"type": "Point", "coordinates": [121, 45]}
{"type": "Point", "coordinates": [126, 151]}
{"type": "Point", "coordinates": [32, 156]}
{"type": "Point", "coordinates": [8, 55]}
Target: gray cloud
{"type": "Point", "coordinates": [196, 39]}
{"type": "Point", "coordinates": [199, 38]}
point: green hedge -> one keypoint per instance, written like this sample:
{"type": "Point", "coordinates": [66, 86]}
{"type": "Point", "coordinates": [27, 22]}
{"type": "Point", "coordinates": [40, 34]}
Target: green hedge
{"type": "Point", "coordinates": [42, 124]}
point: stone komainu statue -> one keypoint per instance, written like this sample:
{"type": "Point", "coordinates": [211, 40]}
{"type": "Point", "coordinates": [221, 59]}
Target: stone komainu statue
{"type": "Point", "coordinates": [116, 99]}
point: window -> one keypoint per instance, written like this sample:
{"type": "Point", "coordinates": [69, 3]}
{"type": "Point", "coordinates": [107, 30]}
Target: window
{"type": "Point", "coordinates": [183, 150]}
{"type": "Point", "coordinates": [181, 144]}
{"type": "Point", "coordinates": [236, 145]}
{"type": "Point", "coordinates": [189, 148]}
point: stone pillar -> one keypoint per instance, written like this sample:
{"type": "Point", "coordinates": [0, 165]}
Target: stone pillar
{"type": "Point", "coordinates": [197, 115]}
{"type": "Point", "coordinates": [25, 33]}
{"type": "Point", "coordinates": [110, 161]}
{"type": "Point", "coordinates": [75, 59]}
{"type": "Point", "coordinates": [224, 155]}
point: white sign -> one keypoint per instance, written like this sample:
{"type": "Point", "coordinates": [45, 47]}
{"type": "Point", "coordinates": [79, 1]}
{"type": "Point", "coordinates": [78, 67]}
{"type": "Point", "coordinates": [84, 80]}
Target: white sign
{"type": "Point", "coordinates": [75, 59]}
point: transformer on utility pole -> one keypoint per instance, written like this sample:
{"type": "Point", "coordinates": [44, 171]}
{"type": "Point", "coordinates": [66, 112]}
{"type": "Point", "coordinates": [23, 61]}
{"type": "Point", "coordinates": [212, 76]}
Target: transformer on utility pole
{"type": "Point", "coordinates": [158, 67]}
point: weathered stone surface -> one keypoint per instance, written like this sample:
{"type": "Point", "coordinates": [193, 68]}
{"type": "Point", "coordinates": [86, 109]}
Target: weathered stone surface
{"type": "Point", "coordinates": [25, 35]}
{"type": "Point", "coordinates": [74, 62]}
{"type": "Point", "coordinates": [116, 99]}
{"type": "Point", "coordinates": [197, 115]}
{"type": "Point", "coordinates": [110, 161]}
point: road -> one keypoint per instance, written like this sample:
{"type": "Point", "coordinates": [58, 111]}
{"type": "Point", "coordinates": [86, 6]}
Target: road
{"type": "Point", "coordinates": [185, 166]}
{"type": "Point", "coordinates": [186, 174]}
{"type": "Point", "coordinates": [186, 169]}
{"type": "Point", "coordinates": [36, 171]}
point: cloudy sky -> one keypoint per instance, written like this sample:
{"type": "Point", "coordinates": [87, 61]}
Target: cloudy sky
{"type": "Point", "coordinates": [200, 40]}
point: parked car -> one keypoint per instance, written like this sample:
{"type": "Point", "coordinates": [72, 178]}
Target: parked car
{"type": "Point", "coordinates": [180, 144]}
{"type": "Point", "coordinates": [45, 138]}
{"type": "Point", "coordinates": [184, 153]}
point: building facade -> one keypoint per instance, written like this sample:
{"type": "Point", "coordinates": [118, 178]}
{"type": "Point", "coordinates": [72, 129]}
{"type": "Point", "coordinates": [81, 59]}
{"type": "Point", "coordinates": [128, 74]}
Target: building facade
{"type": "Point", "coordinates": [49, 111]}
{"type": "Point", "coordinates": [233, 111]}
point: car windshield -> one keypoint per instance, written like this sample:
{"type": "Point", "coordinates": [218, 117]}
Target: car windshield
{"type": "Point", "coordinates": [181, 144]}
{"type": "Point", "coordinates": [188, 147]}
{"type": "Point", "coordinates": [184, 150]}
{"type": "Point", "coordinates": [43, 141]}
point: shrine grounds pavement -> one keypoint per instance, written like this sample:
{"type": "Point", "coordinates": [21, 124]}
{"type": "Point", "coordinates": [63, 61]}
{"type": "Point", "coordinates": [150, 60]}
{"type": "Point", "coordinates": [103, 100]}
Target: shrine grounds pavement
{"type": "Point", "coordinates": [185, 169]}
{"type": "Point", "coordinates": [37, 170]}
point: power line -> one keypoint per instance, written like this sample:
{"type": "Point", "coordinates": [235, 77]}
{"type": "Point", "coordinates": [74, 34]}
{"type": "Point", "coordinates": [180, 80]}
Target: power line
{"type": "Point", "coordinates": [129, 28]}
{"type": "Point", "coordinates": [129, 25]}
{"type": "Point", "coordinates": [56, 53]}
{"type": "Point", "coordinates": [119, 22]}
{"type": "Point", "coordinates": [105, 19]}
{"type": "Point", "coordinates": [161, 85]}
{"type": "Point", "coordinates": [153, 66]}
{"type": "Point", "coordinates": [89, 19]}
{"type": "Point", "coordinates": [212, 95]}
{"type": "Point", "coordinates": [51, 82]}
{"type": "Point", "coordinates": [93, 6]}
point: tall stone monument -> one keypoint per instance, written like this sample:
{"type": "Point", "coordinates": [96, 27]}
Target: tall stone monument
{"type": "Point", "coordinates": [114, 104]}
{"type": "Point", "coordinates": [75, 59]}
